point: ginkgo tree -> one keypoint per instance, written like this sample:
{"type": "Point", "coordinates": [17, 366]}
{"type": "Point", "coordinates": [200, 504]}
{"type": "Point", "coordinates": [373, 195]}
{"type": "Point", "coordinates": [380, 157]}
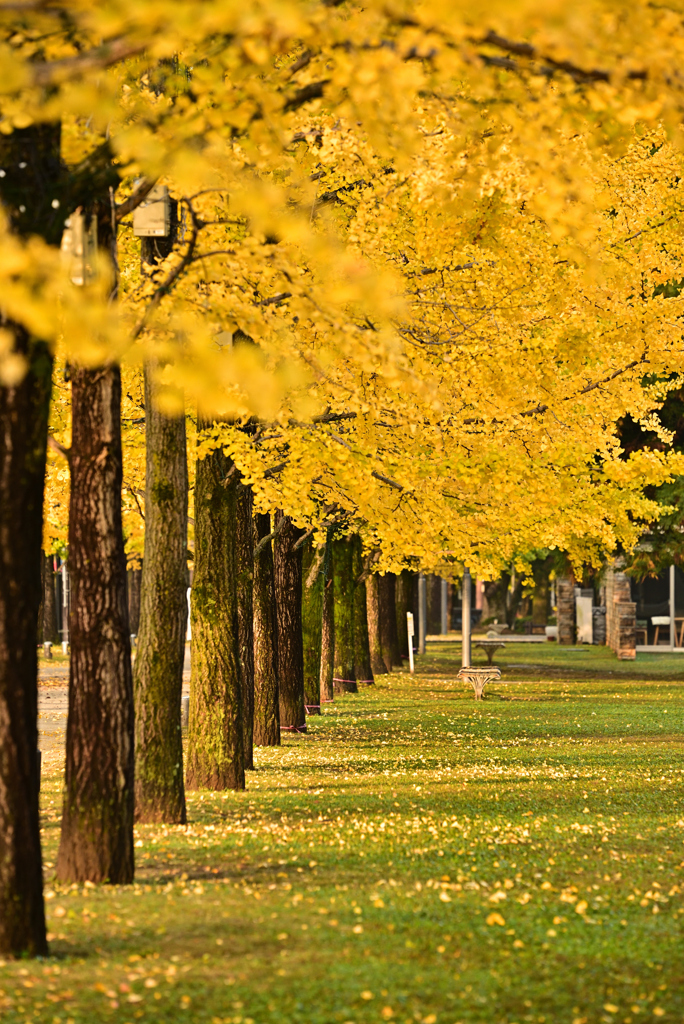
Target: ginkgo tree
{"type": "Point", "coordinates": [231, 97]}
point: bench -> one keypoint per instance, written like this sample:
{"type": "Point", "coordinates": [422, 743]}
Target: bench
{"type": "Point", "coordinates": [490, 647]}
{"type": "Point", "coordinates": [479, 677]}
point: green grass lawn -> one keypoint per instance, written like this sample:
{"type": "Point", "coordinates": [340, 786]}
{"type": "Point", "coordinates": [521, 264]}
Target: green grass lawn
{"type": "Point", "coordinates": [418, 857]}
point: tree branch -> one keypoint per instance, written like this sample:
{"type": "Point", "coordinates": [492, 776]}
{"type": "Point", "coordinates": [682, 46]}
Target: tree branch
{"type": "Point", "coordinates": [94, 60]}
{"type": "Point", "coordinates": [59, 448]}
{"type": "Point", "coordinates": [266, 540]}
{"type": "Point", "coordinates": [139, 193]}
{"type": "Point", "coordinates": [387, 480]}
{"type": "Point", "coordinates": [165, 287]}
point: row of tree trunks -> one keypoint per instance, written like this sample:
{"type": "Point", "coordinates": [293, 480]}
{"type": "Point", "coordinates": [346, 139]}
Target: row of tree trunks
{"type": "Point", "coordinates": [328, 626]}
{"type": "Point", "coordinates": [344, 672]}
{"type": "Point", "coordinates": [287, 562]}
{"type": "Point", "coordinates": [31, 159]}
{"type": "Point", "coordinates": [362, 658]}
{"type": "Point", "coordinates": [160, 649]}
{"type": "Point", "coordinates": [383, 635]}
{"type": "Point", "coordinates": [215, 733]}
{"type": "Point", "coordinates": [266, 696]}
{"type": "Point", "coordinates": [312, 617]}
{"type": "Point", "coordinates": [96, 841]}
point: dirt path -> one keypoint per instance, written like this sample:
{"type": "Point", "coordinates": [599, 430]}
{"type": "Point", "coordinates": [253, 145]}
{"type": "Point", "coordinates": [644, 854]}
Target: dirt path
{"type": "Point", "coordinates": [53, 705]}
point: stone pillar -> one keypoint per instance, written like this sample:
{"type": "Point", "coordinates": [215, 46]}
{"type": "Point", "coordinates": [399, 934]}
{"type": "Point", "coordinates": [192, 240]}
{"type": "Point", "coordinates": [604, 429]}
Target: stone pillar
{"type": "Point", "coordinates": [565, 597]}
{"type": "Point", "coordinates": [620, 615]}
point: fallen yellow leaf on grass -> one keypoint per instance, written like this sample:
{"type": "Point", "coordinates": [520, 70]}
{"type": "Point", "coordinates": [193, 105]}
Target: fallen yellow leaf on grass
{"type": "Point", "coordinates": [495, 919]}
{"type": "Point", "coordinates": [581, 907]}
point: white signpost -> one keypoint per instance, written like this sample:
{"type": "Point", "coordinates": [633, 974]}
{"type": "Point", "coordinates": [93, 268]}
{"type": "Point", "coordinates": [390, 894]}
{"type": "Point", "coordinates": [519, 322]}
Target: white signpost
{"type": "Point", "coordinates": [411, 632]}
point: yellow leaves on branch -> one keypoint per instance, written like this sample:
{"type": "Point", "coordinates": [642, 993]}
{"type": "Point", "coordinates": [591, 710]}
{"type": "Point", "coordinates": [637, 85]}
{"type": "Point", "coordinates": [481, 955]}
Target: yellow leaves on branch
{"type": "Point", "coordinates": [420, 245]}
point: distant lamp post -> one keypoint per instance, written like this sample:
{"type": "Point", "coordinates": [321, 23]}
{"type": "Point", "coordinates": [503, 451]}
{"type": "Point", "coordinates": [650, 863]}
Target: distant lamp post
{"type": "Point", "coordinates": [465, 619]}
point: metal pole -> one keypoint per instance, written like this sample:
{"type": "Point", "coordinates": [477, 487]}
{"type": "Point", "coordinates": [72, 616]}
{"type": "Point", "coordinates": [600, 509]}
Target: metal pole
{"type": "Point", "coordinates": [65, 608]}
{"type": "Point", "coordinates": [445, 623]}
{"type": "Point", "coordinates": [422, 612]}
{"type": "Point", "coordinates": [673, 631]}
{"type": "Point", "coordinates": [465, 620]}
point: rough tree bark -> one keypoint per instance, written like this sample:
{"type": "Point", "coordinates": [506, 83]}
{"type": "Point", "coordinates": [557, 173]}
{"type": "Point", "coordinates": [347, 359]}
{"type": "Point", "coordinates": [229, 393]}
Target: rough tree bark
{"type": "Point", "coordinates": [158, 675]}
{"type": "Point", "coordinates": [31, 161]}
{"type": "Point", "coordinates": [23, 440]}
{"type": "Point", "coordinates": [96, 842]}
{"type": "Point", "coordinates": [328, 626]}
{"type": "Point", "coordinates": [378, 663]}
{"type": "Point", "coordinates": [287, 559]}
{"type": "Point", "coordinates": [402, 593]}
{"type": "Point", "coordinates": [245, 584]}
{"type": "Point", "coordinates": [362, 658]}
{"type": "Point", "coordinates": [266, 699]}
{"type": "Point", "coordinates": [215, 757]}
{"type": "Point", "coordinates": [312, 622]}
{"type": "Point", "coordinates": [344, 673]}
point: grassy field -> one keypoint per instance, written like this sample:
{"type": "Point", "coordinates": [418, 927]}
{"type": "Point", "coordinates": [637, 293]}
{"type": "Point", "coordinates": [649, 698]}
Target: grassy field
{"type": "Point", "coordinates": [417, 857]}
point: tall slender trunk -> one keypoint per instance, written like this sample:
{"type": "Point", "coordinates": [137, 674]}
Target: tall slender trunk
{"type": "Point", "coordinates": [134, 597]}
{"type": "Point", "coordinates": [23, 438]}
{"type": "Point", "coordinates": [266, 699]}
{"type": "Point", "coordinates": [344, 672]}
{"type": "Point", "coordinates": [362, 659]}
{"type": "Point", "coordinates": [31, 160]}
{"type": "Point", "coordinates": [158, 675]}
{"type": "Point", "coordinates": [96, 842]}
{"type": "Point", "coordinates": [328, 626]}
{"type": "Point", "coordinates": [390, 596]}
{"type": "Point", "coordinates": [385, 615]}
{"type": "Point", "coordinates": [287, 560]}
{"type": "Point", "coordinates": [50, 627]}
{"type": "Point", "coordinates": [312, 624]}
{"type": "Point", "coordinates": [402, 593]}
{"type": "Point", "coordinates": [245, 584]}
{"type": "Point", "coordinates": [433, 588]}
{"type": "Point", "coordinates": [215, 734]}
{"type": "Point", "coordinates": [377, 655]}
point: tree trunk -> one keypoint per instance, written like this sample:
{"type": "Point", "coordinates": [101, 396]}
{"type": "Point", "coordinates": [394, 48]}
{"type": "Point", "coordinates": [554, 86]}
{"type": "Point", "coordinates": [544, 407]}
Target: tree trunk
{"type": "Point", "coordinates": [266, 699]}
{"type": "Point", "coordinates": [344, 673]}
{"type": "Point", "coordinates": [362, 659]}
{"type": "Point", "coordinates": [433, 587]}
{"type": "Point", "coordinates": [215, 732]}
{"type": "Point", "coordinates": [158, 676]}
{"type": "Point", "coordinates": [30, 158]}
{"type": "Point", "coordinates": [50, 626]}
{"type": "Point", "coordinates": [23, 439]}
{"type": "Point", "coordinates": [328, 626]}
{"type": "Point", "coordinates": [387, 619]}
{"type": "Point", "coordinates": [374, 638]}
{"type": "Point", "coordinates": [245, 584]}
{"type": "Point", "coordinates": [96, 842]}
{"type": "Point", "coordinates": [312, 622]}
{"type": "Point", "coordinates": [288, 588]}
{"type": "Point", "coordinates": [402, 594]}
{"type": "Point", "coordinates": [390, 596]}
{"type": "Point", "coordinates": [135, 588]}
